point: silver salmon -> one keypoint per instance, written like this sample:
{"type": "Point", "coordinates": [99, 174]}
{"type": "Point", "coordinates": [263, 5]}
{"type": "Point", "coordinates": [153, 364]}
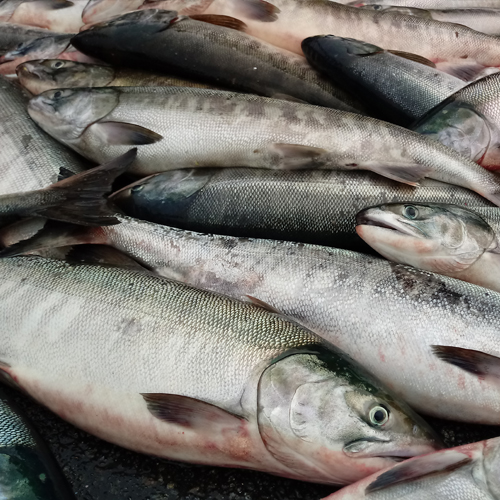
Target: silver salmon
{"type": "Point", "coordinates": [195, 376]}
{"type": "Point", "coordinates": [184, 128]}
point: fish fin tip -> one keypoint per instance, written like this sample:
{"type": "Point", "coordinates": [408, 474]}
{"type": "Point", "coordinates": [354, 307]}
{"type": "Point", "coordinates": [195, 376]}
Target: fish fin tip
{"type": "Point", "coordinates": [260, 303]}
{"type": "Point", "coordinates": [258, 10]}
{"type": "Point", "coordinates": [475, 362]}
{"type": "Point", "coordinates": [188, 412]}
{"type": "Point", "coordinates": [125, 134]}
{"type": "Point", "coordinates": [418, 468]}
{"type": "Point", "coordinates": [413, 57]}
{"type": "Point", "coordinates": [84, 194]}
{"type": "Point", "coordinates": [224, 21]}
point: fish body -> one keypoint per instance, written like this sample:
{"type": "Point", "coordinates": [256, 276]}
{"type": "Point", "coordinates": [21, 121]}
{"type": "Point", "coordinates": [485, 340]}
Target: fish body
{"type": "Point", "coordinates": [485, 20]}
{"type": "Point", "coordinates": [454, 241]}
{"type": "Point", "coordinates": [462, 473]}
{"type": "Point", "coordinates": [53, 46]}
{"type": "Point", "coordinates": [39, 76]}
{"type": "Point", "coordinates": [185, 128]}
{"type": "Point", "coordinates": [29, 158]}
{"type": "Point", "coordinates": [159, 40]}
{"type": "Point", "coordinates": [434, 4]}
{"type": "Point", "coordinates": [386, 316]}
{"type": "Point", "coordinates": [469, 122]}
{"type": "Point", "coordinates": [190, 375]}
{"type": "Point", "coordinates": [54, 15]}
{"type": "Point", "coordinates": [309, 206]}
{"type": "Point", "coordinates": [393, 88]}
{"type": "Point", "coordinates": [27, 468]}
{"type": "Point", "coordinates": [11, 35]}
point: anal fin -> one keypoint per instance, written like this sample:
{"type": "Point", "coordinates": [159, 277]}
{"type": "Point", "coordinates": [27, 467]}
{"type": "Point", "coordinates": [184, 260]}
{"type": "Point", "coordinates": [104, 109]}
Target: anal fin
{"type": "Point", "coordinates": [476, 362]}
{"type": "Point", "coordinates": [407, 174]}
{"type": "Point", "coordinates": [419, 467]}
{"type": "Point", "coordinates": [413, 57]}
{"type": "Point", "coordinates": [297, 156]}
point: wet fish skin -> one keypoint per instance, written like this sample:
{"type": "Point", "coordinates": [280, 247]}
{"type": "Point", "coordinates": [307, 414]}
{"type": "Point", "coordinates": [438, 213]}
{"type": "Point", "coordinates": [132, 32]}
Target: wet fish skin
{"type": "Point", "coordinates": [47, 74]}
{"type": "Point", "coordinates": [156, 39]}
{"type": "Point", "coordinates": [469, 122]}
{"type": "Point", "coordinates": [309, 206]}
{"type": "Point", "coordinates": [485, 20]}
{"type": "Point", "coordinates": [433, 4]}
{"type": "Point", "coordinates": [195, 376]}
{"type": "Point", "coordinates": [27, 467]}
{"type": "Point", "coordinates": [348, 298]}
{"type": "Point", "coordinates": [461, 473]}
{"type": "Point", "coordinates": [29, 158]}
{"type": "Point", "coordinates": [243, 130]}
{"type": "Point", "coordinates": [454, 241]}
{"type": "Point", "coordinates": [394, 88]}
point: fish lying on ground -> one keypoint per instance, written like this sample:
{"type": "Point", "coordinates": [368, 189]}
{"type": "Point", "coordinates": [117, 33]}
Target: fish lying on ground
{"type": "Point", "coordinates": [485, 20]}
{"type": "Point", "coordinates": [27, 468]}
{"type": "Point", "coordinates": [47, 74]}
{"type": "Point", "coordinates": [55, 15]}
{"type": "Point", "coordinates": [446, 239]}
{"type": "Point", "coordinates": [308, 206]}
{"type": "Point", "coordinates": [469, 122]}
{"type": "Point", "coordinates": [195, 376]}
{"type": "Point", "coordinates": [462, 473]}
{"type": "Point", "coordinates": [185, 127]}
{"type": "Point", "coordinates": [29, 158]}
{"type": "Point", "coordinates": [427, 326]}
{"type": "Point", "coordinates": [79, 199]}
{"type": "Point", "coordinates": [53, 46]}
{"type": "Point", "coordinates": [161, 40]}
{"type": "Point", "coordinates": [393, 88]}
{"type": "Point", "coordinates": [12, 35]}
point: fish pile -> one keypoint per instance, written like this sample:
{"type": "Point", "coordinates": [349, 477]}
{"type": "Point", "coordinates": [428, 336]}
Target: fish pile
{"type": "Point", "coordinates": [195, 202]}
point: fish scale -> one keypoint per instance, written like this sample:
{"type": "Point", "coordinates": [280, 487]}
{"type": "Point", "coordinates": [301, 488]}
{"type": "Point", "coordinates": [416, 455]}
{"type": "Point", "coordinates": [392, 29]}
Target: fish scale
{"type": "Point", "coordinates": [29, 158]}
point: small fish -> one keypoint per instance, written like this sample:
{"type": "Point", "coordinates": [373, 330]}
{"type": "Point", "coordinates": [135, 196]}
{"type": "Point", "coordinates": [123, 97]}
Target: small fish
{"type": "Point", "coordinates": [79, 199]}
{"type": "Point", "coordinates": [53, 46]}
{"type": "Point", "coordinates": [195, 376]}
{"type": "Point", "coordinates": [28, 471]}
{"type": "Point", "coordinates": [39, 76]}
{"type": "Point", "coordinates": [396, 87]}
{"type": "Point", "coordinates": [185, 128]}
{"type": "Point", "coordinates": [469, 122]}
{"type": "Point", "coordinates": [466, 472]}
{"type": "Point", "coordinates": [217, 51]}
{"type": "Point", "coordinates": [446, 239]}
{"type": "Point", "coordinates": [309, 206]}
{"type": "Point", "coordinates": [485, 20]}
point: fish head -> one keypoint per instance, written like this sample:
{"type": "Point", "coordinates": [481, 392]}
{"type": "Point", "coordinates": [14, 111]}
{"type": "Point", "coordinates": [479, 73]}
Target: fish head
{"type": "Point", "coordinates": [436, 237]}
{"type": "Point", "coordinates": [99, 10]}
{"type": "Point", "coordinates": [323, 416]}
{"type": "Point", "coordinates": [66, 113]}
{"type": "Point", "coordinates": [336, 49]}
{"type": "Point", "coordinates": [460, 126]}
{"type": "Point", "coordinates": [169, 193]}
{"type": "Point", "coordinates": [41, 75]}
{"type": "Point", "coordinates": [47, 46]}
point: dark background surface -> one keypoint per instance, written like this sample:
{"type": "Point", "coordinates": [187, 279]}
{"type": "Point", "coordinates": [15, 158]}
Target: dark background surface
{"type": "Point", "coordinates": [98, 470]}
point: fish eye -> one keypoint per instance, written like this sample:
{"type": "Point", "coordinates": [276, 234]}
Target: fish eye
{"type": "Point", "coordinates": [58, 64]}
{"type": "Point", "coordinates": [137, 189]}
{"type": "Point", "coordinates": [57, 94]}
{"type": "Point", "coordinates": [379, 415]}
{"type": "Point", "coordinates": [410, 212]}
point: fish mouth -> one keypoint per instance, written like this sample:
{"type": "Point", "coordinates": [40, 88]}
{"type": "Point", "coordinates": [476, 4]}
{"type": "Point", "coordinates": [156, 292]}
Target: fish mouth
{"type": "Point", "coordinates": [378, 218]}
{"type": "Point", "coordinates": [27, 70]}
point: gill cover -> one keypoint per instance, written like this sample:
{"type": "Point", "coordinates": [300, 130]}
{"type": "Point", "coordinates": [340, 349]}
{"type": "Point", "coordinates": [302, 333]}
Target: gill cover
{"type": "Point", "coordinates": [322, 417]}
{"type": "Point", "coordinates": [66, 114]}
{"type": "Point", "coordinates": [459, 126]}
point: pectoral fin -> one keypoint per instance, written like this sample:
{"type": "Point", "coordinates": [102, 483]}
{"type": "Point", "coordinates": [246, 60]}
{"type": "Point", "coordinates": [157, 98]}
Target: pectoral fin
{"type": "Point", "coordinates": [224, 21]}
{"type": "Point", "coordinates": [125, 134]}
{"type": "Point", "coordinates": [189, 412]}
{"type": "Point", "coordinates": [413, 57]}
{"type": "Point", "coordinates": [258, 10]}
{"type": "Point", "coordinates": [471, 361]}
{"type": "Point", "coordinates": [420, 467]}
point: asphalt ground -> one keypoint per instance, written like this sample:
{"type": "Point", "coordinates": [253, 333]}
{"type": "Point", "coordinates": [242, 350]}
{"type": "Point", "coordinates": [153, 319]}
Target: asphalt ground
{"type": "Point", "coordinates": [98, 470]}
